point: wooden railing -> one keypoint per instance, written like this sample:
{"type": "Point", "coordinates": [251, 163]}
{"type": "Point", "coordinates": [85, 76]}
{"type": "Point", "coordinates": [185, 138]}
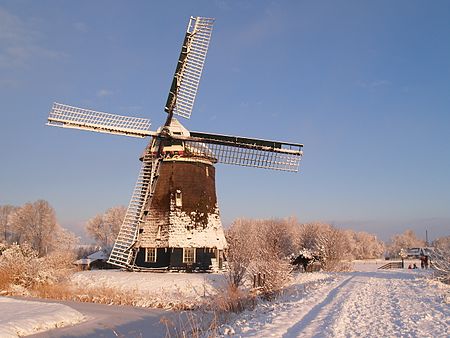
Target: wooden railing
{"type": "Point", "coordinates": [392, 265]}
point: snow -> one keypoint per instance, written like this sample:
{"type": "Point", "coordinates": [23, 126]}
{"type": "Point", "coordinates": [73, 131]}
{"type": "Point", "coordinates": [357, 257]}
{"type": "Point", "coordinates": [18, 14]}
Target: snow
{"type": "Point", "coordinates": [366, 302]}
{"type": "Point", "coordinates": [361, 303]}
{"type": "Point", "coordinates": [83, 261]}
{"type": "Point", "coordinates": [21, 318]}
{"type": "Point", "coordinates": [154, 289]}
{"type": "Point", "coordinates": [181, 231]}
{"type": "Point", "coordinates": [374, 264]}
{"type": "Point", "coordinates": [182, 234]}
{"type": "Point", "coordinates": [98, 255]}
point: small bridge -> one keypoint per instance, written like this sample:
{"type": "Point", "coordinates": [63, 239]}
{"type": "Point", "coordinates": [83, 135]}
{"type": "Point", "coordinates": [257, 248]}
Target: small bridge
{"type": "Point", "coordinates": [392, 265]}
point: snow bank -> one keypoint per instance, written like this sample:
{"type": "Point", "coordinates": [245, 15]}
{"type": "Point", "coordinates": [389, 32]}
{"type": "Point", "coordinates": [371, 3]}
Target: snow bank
{"type": "Point", "coordinates": [154, 289]}
{"type": "Point", "coordinates": [21, 318]}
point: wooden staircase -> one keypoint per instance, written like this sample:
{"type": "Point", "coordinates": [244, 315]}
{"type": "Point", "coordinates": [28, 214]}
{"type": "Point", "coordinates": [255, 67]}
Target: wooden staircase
{"type": "Point", "coordinates": [122, 253]}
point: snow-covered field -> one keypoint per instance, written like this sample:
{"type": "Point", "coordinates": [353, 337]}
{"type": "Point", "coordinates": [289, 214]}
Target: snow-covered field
{"type": "Point", "coordinates": [166, 290]}
{"type": "Point", "coordinates": [21, 318]}
{"type": "Point", "coordinates": [366, 302]}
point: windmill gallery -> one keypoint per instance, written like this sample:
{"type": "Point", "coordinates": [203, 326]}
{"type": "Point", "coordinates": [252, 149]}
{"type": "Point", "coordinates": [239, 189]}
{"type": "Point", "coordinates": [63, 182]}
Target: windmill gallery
{"type": "Point", "coordinates": [173, 221]}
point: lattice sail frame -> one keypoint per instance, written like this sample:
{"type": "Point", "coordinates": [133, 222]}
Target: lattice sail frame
{"type": "Point", "coordinates": [62, 115]}
{"type": "Point", "coordinates": [190, 66]}
{"type": "Point", "coordinates": [259, 154]}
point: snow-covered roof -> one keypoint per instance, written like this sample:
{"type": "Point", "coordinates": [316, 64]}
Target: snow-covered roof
{"type": "Point", "coordinates": [83, 261]}
{"type": "Point", "coordinates": [99, 255]}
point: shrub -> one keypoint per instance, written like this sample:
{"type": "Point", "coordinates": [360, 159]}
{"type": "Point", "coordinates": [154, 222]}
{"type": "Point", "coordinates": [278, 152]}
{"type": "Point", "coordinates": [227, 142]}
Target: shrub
{"type": "Point", "coordinates": [21, 266]}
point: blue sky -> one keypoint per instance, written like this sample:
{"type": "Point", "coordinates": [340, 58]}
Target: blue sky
{"type": "Point", "coordinates": [365, 85]}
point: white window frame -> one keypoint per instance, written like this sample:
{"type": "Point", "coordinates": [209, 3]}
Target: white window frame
{"type": "Point", "coordinates": [178, 198]}
{"type": "Point", "coordinates": [187, 259]}
{"type": "Point", "coordinates": [150, 255]}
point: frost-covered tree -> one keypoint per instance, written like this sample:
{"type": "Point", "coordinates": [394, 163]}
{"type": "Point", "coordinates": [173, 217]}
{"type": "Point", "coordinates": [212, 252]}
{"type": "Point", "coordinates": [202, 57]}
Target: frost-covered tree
{"type": "Point", "coordinates": [308, 235]}
{"type": "Point", "coordinates": [440, 258]}
{"type": "Point", "coordinates": [240, 239]}
{"type": "Point", "coordinates": [260, 247]}
{"type": "Point", "coordinates": [333, 248]}
{"type": "Point", "coordinates": [105, 227]}
{"type": "Point", "coordinates": [275, 244]}
{"type": "Point", "coordinates": [5, 227]}
{"type": "Point", "coordinates": [363, 245]}
{"type": "Point", "coordinates": [442, 244]}
{"type": "Point", "coordinates": [35, 223]}
{"type": "Point", "coordinates": [407, 239]}
{"type": "Point", "coordinates": [325, 241]}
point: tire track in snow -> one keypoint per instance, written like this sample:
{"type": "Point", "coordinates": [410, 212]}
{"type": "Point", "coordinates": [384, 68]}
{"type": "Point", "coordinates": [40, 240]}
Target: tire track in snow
{"type": "Point", "coordinates": [322, 314]}
{"type": "Point", "coordinates": [269, 319]}
{"type": "Point", "coordinates": [369, 309]}
{"type": "Point", "coordinates": [392, 304]}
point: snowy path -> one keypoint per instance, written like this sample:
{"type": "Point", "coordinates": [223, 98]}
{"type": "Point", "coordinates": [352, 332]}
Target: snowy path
{"type": "Point", "coordinates": [369, 304]}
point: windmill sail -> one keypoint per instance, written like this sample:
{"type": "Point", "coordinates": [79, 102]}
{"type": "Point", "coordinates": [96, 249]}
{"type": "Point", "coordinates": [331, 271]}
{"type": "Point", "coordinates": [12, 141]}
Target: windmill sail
{"type": "Point", "coordinates": [66, 116]}
{"type": "Point", "coordinates": [189, 67]}
{"type": "Point", "coordinates": [245, 151]}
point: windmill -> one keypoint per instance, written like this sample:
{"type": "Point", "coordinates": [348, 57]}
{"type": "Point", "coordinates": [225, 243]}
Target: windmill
{"type": "Point", "coordinates": [173, 220]}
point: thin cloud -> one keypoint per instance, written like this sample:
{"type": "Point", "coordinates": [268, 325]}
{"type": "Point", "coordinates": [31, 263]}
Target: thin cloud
{"type": "Point", "coordinates": [104, 93]}
{"type": "Point", "coordinates": [373, 84]}
{"type": "Point", "coordinates": [268, 25]}
{"type": "Point", "coordinates": [222, 5]}
{"type": "Point", "coordinates": [9, 83]}
{"type": "Point", "coordinates": [19, 42]}
{"type": "Point", "coordinates": [81, 27]}
{"type": "Point", "coordinates": [132, 109]}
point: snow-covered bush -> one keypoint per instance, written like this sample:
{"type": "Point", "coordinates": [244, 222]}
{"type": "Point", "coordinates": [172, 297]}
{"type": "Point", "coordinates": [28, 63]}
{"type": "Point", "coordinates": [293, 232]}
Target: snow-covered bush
{"type": "Point", "coordinates": [330, 244]}
{"type": "Point", "coordinates": [304, 257]}
{"type": "Point", "coordinates": [20, 265]}
{"type": "Point", "coordinates": [442, 244]}
{"type": "Point", "coordinates": [260, 247]}
{"type": "Point", "coordinates": [441, 262]}
{"type": "Point", "coordinates": [231, 299]}
{"type": "Point", "coordinates": [240, 251]}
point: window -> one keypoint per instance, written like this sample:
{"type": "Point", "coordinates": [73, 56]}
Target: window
{"type": "Point", "coordinates": [189, 255]}
{"type": "Point", "coordinates": [150, 255]}
{"type": "Point", "coordinates": [158, 234]}
{"type": "Point", "coordinates": [178, 199]}
{"type": "Point", "coordinates": [207, 171]}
